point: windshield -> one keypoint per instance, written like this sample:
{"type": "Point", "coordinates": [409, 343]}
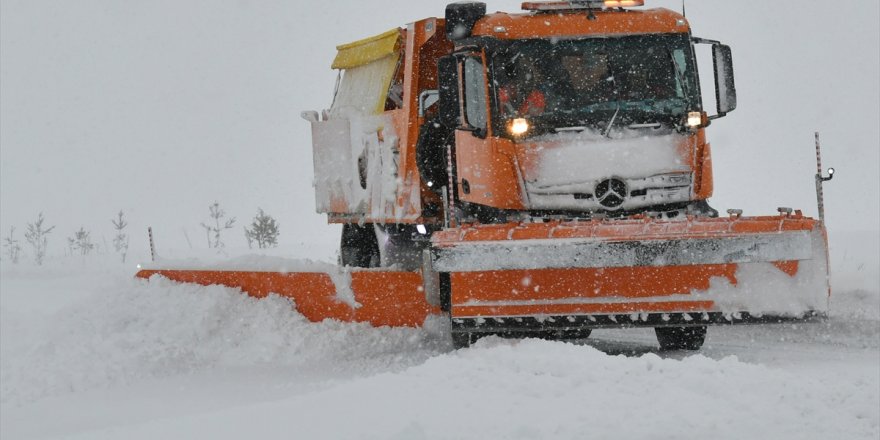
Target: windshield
{"type": "Point", "coordinates": [645, 79]}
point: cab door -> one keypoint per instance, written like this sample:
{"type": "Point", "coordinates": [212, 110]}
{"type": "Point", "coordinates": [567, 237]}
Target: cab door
{"type": "Point", "coordinates": [485, 174]}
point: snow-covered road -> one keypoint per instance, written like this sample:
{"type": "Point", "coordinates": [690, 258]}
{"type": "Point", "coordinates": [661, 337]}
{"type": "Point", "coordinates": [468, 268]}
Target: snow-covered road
{"type": "Point", "coordinates": [92, 353]}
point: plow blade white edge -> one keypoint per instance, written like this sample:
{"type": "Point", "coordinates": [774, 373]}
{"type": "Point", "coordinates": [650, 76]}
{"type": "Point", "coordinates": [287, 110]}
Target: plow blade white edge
{"type": "Point", "coordinates": [598, 253]}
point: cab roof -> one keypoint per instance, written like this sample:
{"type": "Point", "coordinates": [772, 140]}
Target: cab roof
{"type": "Point", "coordinates": [576, 23]}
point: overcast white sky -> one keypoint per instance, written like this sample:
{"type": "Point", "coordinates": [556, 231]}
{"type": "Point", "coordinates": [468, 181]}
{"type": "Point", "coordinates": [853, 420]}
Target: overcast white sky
{"type": "Point", "coordinates": [160, 107]}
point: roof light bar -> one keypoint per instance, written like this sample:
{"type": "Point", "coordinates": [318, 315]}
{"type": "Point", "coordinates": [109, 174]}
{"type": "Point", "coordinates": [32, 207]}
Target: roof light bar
{"type": "Point", "coordinates": [579, 4]}
{"type": "Point", "coordinates": [623, 3]}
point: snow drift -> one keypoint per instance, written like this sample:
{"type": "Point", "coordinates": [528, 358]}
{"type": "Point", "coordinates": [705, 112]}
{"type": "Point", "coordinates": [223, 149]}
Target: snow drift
{"type": "Point", "coordinates": [160, 328]}
{"type": "Point", "coordinates": [136, 359]}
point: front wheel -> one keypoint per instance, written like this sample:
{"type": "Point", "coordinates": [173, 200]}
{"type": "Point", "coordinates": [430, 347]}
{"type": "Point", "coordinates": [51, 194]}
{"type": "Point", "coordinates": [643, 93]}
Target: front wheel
{"type": "Point", "coordinates": [681, 338]}
{"type": "Point", "coordinates": [465, 339]}
{"type": "Point", "coordinates": [359, 246]}
{"type": "Point", "coordinates": [461, 340]}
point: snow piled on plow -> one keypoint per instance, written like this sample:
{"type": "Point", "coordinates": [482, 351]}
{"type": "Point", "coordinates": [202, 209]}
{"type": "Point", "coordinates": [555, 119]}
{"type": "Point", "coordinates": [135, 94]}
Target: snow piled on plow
{"type": "Point", "coordinates": [339, 275]}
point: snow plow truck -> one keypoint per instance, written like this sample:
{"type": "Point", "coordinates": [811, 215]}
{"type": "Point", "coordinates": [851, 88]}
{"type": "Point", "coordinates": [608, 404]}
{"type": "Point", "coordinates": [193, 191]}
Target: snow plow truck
{"type": "Point", "coordinates": [536, 174]}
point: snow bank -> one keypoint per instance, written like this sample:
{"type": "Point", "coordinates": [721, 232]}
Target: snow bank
{"type": "Point", "coordinates": [539, 389]}
{"type": "Point", "coordinates": [155, 329]}
{"type": "Point", "coordinates": [124, 358]}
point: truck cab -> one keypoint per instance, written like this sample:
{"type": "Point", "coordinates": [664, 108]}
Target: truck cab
{"type": "Point", "coordinates": [573, 109]}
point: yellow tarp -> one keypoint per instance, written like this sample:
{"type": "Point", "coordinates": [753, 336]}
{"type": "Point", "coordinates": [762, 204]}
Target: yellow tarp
{"type": "Point", "coordinates": [367, 50]}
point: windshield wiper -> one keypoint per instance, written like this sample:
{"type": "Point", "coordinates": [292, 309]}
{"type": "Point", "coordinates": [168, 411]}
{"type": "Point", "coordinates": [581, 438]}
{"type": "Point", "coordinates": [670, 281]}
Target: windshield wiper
{"type": "Point", "coordinates": [572, 128]}
{"type": "Point", "coordinates": [679, 75]}
{"type": "Point", "coordinates": [645, 125]}
{"type": "Point", "coordinates": [607, 132]}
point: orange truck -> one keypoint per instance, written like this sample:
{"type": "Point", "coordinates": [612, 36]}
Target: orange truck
{"type": "Point", "coordinates": [541, 173]}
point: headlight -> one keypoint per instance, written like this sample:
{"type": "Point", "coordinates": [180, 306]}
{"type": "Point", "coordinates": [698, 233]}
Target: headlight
{"type": "Point", "coordinates": [518, 126]}
{"type": "Point", "coordinates": [694, 119]}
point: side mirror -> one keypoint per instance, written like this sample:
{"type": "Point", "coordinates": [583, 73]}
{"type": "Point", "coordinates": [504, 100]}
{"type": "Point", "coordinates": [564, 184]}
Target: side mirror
{"type": "Point", "coordinates": [461, 17]}
{"type": "Point", "coordinates": [449, 102]}
{"type": "Point", "coordinates": [725, 89]}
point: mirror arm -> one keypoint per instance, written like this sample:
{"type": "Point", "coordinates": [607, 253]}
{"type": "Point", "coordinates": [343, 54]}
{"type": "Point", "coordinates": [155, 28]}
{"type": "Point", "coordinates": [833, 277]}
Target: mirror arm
{"type": "Point", "coordinates": [476, 131]}
{"type": "Point", "coordinates": [423, 99]}
{"type": "Point", "coordinates": [699, 40]}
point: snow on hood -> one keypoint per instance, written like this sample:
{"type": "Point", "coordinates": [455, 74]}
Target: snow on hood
{"type": "Point", "coordinates": [565, 158]}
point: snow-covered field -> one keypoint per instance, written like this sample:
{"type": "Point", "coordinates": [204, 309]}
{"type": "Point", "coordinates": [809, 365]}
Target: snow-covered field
{"type": "Point", "coordinates": [159, 108]}
{"type": "Point", "coordinates": [90, 352]}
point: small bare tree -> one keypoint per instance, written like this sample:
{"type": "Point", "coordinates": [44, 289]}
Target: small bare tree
{"type": "Point", "coordinates": [120, 241]}
{"type": "Point", "coordinates": [81, 241]}
{"type": "Point", "coordinates": [213, 231]}
{"type": "Point", "coordinates": [12, 246]}
{"type": "Point", "coordinates": [37, 236]}
{"type": "Point", "coordinates": [263, 231]}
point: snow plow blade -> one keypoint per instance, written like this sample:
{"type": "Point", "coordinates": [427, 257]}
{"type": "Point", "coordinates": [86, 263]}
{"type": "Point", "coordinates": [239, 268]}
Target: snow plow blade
{"type": "Point", "coordinates": [632, 272]}
{"type": "Point", "coordinates": [377, 297]}
{"type": "Point", "coordinates": [569, 276]}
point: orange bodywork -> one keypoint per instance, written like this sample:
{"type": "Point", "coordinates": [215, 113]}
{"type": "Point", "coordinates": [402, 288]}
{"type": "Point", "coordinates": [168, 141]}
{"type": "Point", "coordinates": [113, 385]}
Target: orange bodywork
{"type": "Point", "coordinates": [386, 298]}
{"type": "Point", "coordinates": [702, 166]}
{"type": "Point", "coordinates": [633, 228]}
{"type": "Point", "coordinates": [549, 291]}
{"type": "Point", "coordinates": [487, 172]}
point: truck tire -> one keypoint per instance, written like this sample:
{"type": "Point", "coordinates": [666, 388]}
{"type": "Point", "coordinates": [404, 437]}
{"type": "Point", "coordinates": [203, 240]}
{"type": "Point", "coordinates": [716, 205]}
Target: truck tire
{"type": "Point", "coordinates": [465, 339]}
{"type": "Point", "coordinates": [359, 246]}
{"type": "Point", "coordinates": [402, 245]}
{"type": "Point", "coordinates": [461, 340]}
{"type": "Point", "coordinates": [681, 338]}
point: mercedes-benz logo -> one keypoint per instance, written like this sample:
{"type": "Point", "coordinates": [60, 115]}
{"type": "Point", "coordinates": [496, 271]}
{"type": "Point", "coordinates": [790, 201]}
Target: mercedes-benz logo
{"type": "Point", "coordinates": [611, 193]}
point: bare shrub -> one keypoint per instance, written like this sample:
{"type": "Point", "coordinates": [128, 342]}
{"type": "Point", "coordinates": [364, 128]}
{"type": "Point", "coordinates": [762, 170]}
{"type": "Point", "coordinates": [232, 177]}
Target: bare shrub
{"type": "Point", "coordinates": [12, 246]}
{"type": "Point", "coordinates": [220, 223]}
{"type": "Point", "coordinates": [263, 231]}
{"type": "Point", "coordinates": [38, 236]}
{"type": "Point", "coordinates": [120, 240]}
